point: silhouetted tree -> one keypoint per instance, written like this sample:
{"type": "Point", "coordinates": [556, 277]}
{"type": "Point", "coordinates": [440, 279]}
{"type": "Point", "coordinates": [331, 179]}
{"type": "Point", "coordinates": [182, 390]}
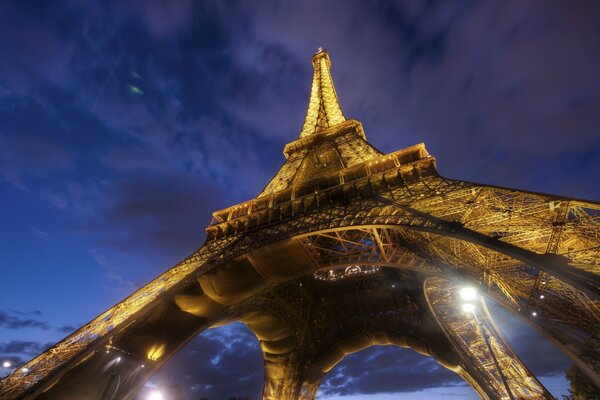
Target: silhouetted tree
{"type": "Point", "coordinates": [581, 387]}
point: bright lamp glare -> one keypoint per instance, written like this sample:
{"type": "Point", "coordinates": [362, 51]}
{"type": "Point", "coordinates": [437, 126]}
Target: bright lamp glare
{"type": "Point", "coordinates": [6, 364]}
{"type": "Point", "coordinates": [468, 307]}
{"type": "Point", "coordinates": [468, 293]}
{"type": "Point", "coordinates": [156, 395]}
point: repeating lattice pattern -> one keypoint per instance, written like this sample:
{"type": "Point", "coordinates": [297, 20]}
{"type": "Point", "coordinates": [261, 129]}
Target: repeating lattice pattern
{"type": "Point", "coordinates": [530, 252]}
{"type": "Point", "coordinates": [323, 107]}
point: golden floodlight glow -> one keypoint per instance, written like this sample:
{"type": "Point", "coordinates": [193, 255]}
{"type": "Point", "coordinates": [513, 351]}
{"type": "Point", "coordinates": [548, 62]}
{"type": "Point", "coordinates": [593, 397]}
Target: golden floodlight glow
{"type": "Point", "coordinates": [155, 395]}
{"type": "Point", "coordinates": [323, 107]}
{"type": "Point", "coordinates": [468, 307]}
{"type": "Point", "coordinates": [341, 207]}
{"type": "Point", "coordinates": [468, 293]}
{"type": "Point", "coordinates": [156, 352]}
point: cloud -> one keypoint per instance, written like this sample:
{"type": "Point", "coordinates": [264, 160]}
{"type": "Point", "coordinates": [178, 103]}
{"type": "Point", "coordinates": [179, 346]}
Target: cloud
{"type": "Point", "coordinates": [163, 215]}
{"type": "Point", "coordinates": [39, 233]}
{"type": "Point", "coordinates": [69, 328]}
{"type": "Point", "coordinates": [492, 90]}
{"type": "Point", "coordinates": [505, 94]}
{"type": "Point", "coordinates": [37, 52]}
{"type": "Point", "coordinates": [163, 18]}
{"type": "Point", "coordinates": [226, 362]}
{"type": "Point", "coordinates": [386, 370]}
{"type": "Point", "coordinates": [116, 274]}
{"type": "Point", "coordinates": [18, 320]}
{"type": "Point", "coordinates": [29, 348]}
{"type": "Point", "coordinates": [19, 351]}
{"type": "Point", "coordinates": [24, 157]}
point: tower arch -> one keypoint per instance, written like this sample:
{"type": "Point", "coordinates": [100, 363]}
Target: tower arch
{"type": "Point", "coordinates": [339, 202]}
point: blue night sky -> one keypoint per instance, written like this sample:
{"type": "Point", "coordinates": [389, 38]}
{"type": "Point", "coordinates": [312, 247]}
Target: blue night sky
{"type": "Point", "coordinates": [124, 124]}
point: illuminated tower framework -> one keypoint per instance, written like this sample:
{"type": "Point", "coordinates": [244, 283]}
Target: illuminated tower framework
{"type": "Point", "coordinates": [347, 248]}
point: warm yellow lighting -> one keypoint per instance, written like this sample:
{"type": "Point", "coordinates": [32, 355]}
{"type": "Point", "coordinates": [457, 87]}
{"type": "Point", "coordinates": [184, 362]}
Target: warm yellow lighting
{"type": "Point", "coordinates": [156, 352]}
{"type": "Point", "coordinates": [323, 107]}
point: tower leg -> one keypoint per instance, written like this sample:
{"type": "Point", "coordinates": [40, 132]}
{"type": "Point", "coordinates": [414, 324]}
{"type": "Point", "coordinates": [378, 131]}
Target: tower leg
{"type": "Point", "coordinates": [486, 360]}
{"type": "Point", "coordinates": [284, 379]}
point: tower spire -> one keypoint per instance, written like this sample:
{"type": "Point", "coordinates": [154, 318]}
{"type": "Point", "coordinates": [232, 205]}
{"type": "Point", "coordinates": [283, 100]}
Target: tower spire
{"type": "Point", "coordinates": [323, 107]}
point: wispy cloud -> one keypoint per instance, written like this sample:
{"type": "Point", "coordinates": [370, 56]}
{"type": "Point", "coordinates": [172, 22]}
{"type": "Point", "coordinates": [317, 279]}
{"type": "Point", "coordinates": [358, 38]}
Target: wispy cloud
{"type": "Point", "coordinates": [504, 94]}
{"type": "Point", "coordinates": [23, 157]}
{"type": "Point", "coordinates": [30, 348]}
{"type": "Point", "coordinates": [19, 320]}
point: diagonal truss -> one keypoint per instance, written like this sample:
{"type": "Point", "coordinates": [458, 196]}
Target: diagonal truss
{"type": "Point", "coordinates": [331, 225]}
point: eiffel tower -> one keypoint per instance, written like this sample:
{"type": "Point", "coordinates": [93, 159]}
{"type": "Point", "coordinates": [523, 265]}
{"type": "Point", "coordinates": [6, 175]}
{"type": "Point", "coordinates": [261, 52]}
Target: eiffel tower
{"type": "Point", "coordinates": [347, 248]}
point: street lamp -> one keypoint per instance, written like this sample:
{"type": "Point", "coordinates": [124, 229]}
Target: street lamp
{"type": "Point", "coordinates": [7, 364]}
{"type": "Point", "coordinates": [468, 294]}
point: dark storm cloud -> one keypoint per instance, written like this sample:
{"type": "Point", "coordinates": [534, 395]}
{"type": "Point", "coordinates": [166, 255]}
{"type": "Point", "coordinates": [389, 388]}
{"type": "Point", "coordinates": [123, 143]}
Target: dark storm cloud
{"type": "Point", "coordinates": [15, 320]}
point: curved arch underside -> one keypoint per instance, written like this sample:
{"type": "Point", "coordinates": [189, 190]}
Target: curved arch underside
{"type": "Point", "coordinates": [508, 252]}
{"type": "Point", "coordinates": [337, 202]}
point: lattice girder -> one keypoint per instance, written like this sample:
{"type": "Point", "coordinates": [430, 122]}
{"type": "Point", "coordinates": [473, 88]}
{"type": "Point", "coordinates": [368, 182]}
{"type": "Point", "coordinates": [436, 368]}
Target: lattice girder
{"type": "Point", "coordinates": [477, 335]}
{"type": "Point", "coordinates": [387, 308]}
{"type": "Point", "coordinates": [338, 202]}
{"type": "Point", "coordinates": [374, 214]}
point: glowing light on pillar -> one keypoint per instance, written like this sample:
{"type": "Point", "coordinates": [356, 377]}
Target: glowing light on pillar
{"type": "Point", "coordinates": [156, 395]}
{"type": "Point", "coordinates": [468, 293]}
{"type": "Point", "coordinates": [468, 307]}
{"type": "Point", "coordinates": [156, 351]}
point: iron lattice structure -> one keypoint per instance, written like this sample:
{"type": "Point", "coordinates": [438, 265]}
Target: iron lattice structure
{"type": "Point", "coordinates": [346, 248]}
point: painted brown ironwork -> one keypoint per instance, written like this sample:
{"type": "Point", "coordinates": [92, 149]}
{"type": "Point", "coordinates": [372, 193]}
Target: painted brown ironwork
{"type": "Point", "coordinates": [347, 248]}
